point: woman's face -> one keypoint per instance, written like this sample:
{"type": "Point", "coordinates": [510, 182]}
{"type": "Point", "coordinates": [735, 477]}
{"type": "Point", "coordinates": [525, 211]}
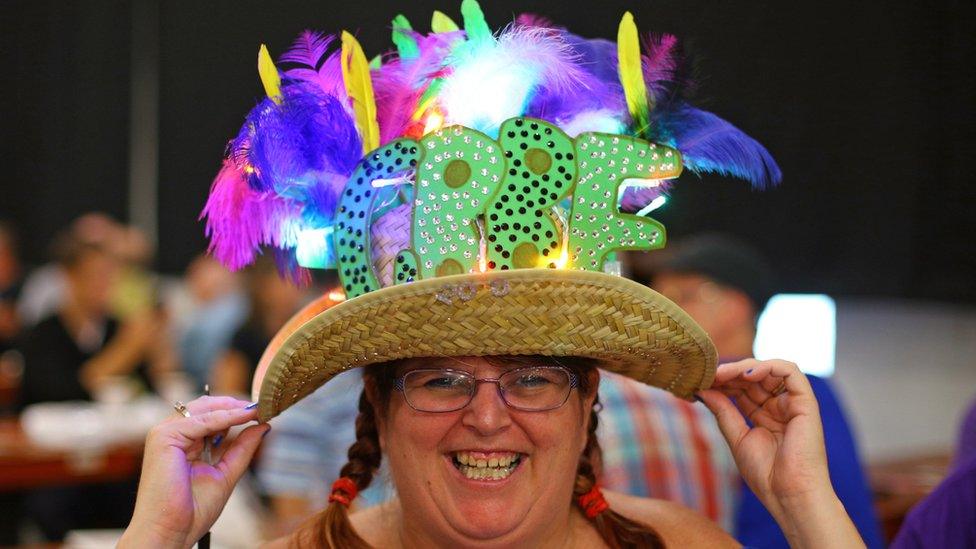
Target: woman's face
{"type": "Point", "coordinates": [426, 452]}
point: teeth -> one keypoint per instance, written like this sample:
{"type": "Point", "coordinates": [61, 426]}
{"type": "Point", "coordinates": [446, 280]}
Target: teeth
{"type": "Point", "coordinates": [494, 468]}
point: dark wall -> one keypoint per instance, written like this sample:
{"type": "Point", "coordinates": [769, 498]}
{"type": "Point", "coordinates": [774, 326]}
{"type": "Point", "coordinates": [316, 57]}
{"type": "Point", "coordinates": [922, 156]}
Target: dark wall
{"type": "Point", "coordinates": [868, 109]}
{"type": "Point", "coordinates": [65, 114]}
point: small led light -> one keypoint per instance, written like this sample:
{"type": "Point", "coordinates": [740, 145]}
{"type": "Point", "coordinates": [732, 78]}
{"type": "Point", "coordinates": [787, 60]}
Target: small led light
{"type": "Point", "coordinates": [314, 249]}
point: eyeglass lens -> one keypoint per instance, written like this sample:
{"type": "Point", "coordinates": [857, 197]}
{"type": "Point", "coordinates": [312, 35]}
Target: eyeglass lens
{"type": "Point", "coordinates": [534, 388]}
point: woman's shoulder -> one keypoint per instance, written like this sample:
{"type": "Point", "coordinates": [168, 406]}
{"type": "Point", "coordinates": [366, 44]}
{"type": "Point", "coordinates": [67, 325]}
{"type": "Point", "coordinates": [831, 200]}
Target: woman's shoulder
{"type": "Point", "coordinates": [677, 524]}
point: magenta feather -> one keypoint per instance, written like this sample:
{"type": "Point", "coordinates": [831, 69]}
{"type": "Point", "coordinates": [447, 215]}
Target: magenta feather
{"type": "Point", "coordinates": [240, 219]}
{"type": "Point", "coordinates": [308, 54]}
{"type": "Point", "coordinates": [661, 64]}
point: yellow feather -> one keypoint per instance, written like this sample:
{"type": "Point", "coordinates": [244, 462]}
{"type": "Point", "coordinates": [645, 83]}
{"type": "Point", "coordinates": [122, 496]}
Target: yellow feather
{"type": "Point", "coordinates": [631, 75]}
{"type": "Point", "coordinates": [269, 75]}
{"type": "Point", "coordinates": [440, 22]}
{"type": "Point", "coordinates": [359, 88]}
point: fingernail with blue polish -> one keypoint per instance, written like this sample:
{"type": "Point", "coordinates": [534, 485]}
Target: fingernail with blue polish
{"type": "Point", "coordinates": [217, 440]}
{"type": "Point", "coordinates": [251, 406]}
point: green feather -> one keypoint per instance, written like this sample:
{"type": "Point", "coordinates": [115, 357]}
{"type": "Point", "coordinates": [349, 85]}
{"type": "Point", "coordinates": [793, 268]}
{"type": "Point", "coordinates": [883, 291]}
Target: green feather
{"type": "Point", "coordinates": [631, 75]}
{"type": "Point", "coordinates": [376, 62]}
{"type": "Point", "coordinates": [440, 22]}
{"type": "Point", "coordinates": [405, 43]}
{"type": "Point", "coordinates": [475, 25]}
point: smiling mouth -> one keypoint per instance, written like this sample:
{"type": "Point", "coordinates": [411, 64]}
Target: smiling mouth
{"type": "Point", "coordinates": [481, 466]}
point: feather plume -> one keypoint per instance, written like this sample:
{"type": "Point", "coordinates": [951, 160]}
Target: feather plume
{"type": "Point", "coordinates": [269, 75]}
{"type": "Point", "coordinates": [403, 84]}
{"type": "Point", "coordinates": [283, 175]}
{"type": "Point", "coordinates": [406, 44]}
{"type": "Point", "coordinates": [710, 144]}
{"type": "Point", "coordinates": [493, 80]}
{"type": "Point", "coordinates": [440, 22]}
{"type": "Point", "coordinates": [308, 55]}
{"type": "Point", "coordinates": [475, 26]}
{"type": "Point", "coordinates": [631, 75]}
{"type": "Point", "coordinates": [661, 64]}
{"type": "Point", "coordinates": [240, 219]}
{"type": "Point", "coordinates": [359, 88]}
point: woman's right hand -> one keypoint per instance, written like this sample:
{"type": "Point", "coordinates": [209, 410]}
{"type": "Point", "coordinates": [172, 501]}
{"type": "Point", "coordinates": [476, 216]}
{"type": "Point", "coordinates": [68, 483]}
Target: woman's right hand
{"type": "Point", "coordinates": [180, 495]}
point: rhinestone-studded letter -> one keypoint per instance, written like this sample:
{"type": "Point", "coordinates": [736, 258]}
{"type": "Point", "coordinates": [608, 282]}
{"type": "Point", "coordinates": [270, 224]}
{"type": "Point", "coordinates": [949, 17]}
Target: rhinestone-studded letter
{"type": "Point", "coordinates": [597, 227]}
{"type": "Point", "coordinates": [355, 209]}
{"type": "Point", "coordinates": [459, 174]}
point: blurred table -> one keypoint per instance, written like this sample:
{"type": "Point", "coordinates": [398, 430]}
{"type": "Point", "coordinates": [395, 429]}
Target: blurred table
{"type": "Point", "coordinates": [25, 465]}
{"type": "Point", "coordinates": [899, 485]}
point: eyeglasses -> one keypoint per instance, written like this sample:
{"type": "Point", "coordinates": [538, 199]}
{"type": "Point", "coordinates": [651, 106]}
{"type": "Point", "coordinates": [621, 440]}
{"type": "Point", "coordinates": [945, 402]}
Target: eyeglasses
{"type": "Point", "coordinates": [530, 389]}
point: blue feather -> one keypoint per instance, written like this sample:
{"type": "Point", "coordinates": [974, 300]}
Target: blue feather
{"type": "Point", "coordinates": [712, 145]}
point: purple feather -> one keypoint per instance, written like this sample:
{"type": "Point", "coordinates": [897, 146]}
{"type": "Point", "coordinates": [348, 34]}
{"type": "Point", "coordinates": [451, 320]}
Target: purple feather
{"type": "Point", "coordinates": [312, 65]}
{"type": "Point", "coordinates": [283, 174]}
{"type": "Point", "coordinates": [710, 144]}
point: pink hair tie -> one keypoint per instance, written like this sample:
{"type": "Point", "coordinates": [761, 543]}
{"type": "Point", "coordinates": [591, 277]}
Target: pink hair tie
{"type": "Point", "coordinates": [344, 491]}
{"type": "Point", "coordinates": [593, 502]}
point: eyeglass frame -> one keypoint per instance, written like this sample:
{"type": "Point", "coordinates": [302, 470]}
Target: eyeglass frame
{"type": "Point", "coordinates": [399, 386]}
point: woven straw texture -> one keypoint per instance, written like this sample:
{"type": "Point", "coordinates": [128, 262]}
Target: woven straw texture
{"type": "Point", "coordinates": [628, 327]}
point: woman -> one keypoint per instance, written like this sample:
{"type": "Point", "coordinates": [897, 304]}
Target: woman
{"type": "Point", "coordinates": [474, 240]}
{"type": "Point", "coordinates": [530, 505]}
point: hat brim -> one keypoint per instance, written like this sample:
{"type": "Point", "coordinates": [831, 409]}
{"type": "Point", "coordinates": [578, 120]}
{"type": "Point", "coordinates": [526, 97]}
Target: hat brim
{"type": "Point", "coordinates": [627, 327]}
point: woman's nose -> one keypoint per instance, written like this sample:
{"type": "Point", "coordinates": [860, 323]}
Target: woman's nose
{"type": "Point", "coordinates": [487, 413]}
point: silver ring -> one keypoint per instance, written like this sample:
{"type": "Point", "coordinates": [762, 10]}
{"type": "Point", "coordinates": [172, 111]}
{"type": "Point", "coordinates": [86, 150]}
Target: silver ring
{"type": "Point", "coordinates": [181, 408]}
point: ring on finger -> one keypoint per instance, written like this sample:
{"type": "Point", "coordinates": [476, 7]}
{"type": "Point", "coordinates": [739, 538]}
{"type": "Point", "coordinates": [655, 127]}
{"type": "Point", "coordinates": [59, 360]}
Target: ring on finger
{"type": "Point", "coordinates": [181, 408]}
{"type": "Point", "coordinates": [780, 389]}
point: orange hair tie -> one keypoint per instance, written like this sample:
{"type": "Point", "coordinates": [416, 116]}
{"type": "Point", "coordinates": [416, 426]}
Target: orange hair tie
{"type": "Point", "coordinates": [593, 502]}
{"type": "Point", "coordinates": [344, 491]}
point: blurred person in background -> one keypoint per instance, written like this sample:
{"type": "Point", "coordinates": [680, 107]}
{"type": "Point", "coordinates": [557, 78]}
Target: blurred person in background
{"type": "Point", "coordinates": [10, 283]}
{"type": "Point", "coordinates": [945, 518]}
{"type": "Point", "coordinates": [44, 289]}
{"type": "Point", "coordinates": [82, 353]}
{"type": "Point", "coordinates": [212, 308]}
{"type": "Point", "coordinates": [724, 284]}
{"type": "Point", "coordinates": [272, 301]}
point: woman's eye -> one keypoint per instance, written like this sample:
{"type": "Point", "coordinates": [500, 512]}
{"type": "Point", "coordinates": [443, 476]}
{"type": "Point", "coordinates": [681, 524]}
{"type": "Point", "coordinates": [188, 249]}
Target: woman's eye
{"type": "Point", "coordinates": [532, 380]}
{"type": "Point", "coordinates": [444, 382]}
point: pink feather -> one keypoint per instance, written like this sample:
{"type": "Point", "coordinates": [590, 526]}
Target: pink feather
{"type": "Point", "coordinates": [241, 219]}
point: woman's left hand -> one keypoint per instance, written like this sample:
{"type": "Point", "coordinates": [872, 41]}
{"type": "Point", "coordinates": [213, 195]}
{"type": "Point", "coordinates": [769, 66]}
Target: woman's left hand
{"type": "Point", "coordinates": [781, 455]}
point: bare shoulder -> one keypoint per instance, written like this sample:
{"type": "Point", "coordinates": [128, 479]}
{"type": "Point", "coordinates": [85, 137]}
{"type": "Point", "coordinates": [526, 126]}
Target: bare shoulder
{"type": "Point", "coordinates": [678, 525]}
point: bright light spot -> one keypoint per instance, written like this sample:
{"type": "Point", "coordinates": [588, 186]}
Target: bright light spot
{"type": "Point", "coordinates": [249, 169]}
{"type": "Point", "coordinates": [402, 180]}
{"type": "Point", "coordinates": [655, 204]}
{"type": "Point", "coordinates": [314, 248]}
{"type": "Point", "coordinates": [641, 182]}
{"type": "Point", "coordinates": [801, 328]}
{"type": "Point", "coordinates": [434, 122]}
{"type": "Point", "coordinates": [337, 295]}
{"type": "Point", "coordinates": [487, 89]}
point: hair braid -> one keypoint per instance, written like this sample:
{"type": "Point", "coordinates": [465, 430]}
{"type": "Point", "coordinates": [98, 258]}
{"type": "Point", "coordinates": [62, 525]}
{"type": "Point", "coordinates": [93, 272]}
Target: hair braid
{"type": "Point", "coordinates": [618, 531]}
{"type": "Point", "coordinates": [332, 527]}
